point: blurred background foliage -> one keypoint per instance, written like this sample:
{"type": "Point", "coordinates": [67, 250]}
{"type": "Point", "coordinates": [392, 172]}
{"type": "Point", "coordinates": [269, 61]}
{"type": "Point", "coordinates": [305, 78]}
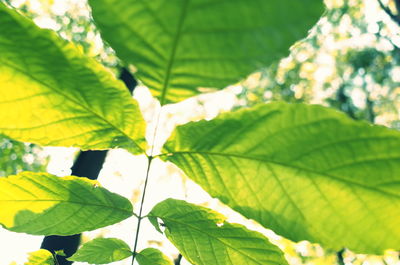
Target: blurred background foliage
{"type": "Point", "coordinates": [16, 157]}
{"type": "Point", "coordinates": [350, 61]}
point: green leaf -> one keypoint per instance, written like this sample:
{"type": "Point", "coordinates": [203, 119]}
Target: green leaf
{"type": "Point", "coordinates": [40, 257]}
{"type": "Point", "coordinates": [184, 47]}
{"type": "Point", "coordinates": [51, 94]}
{"type": "Point", "coordinates": [203, 236]}
{"type": "Point", "coordinates": [43, 204]}
{"type": "Point", "coordinates": [60, 253]}
{"type": "Point", "coordinates": [304, 171]}
{"type": "Point", "coordinates": [152, 256]}
{"type": "Point", "coordinates": [102, 251]}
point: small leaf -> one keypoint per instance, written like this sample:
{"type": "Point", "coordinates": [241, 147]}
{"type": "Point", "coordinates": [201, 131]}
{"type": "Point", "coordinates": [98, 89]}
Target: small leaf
{"type": "Point", "coordinates": [102, 251]}
{"type": "Point", "coordinates": [204, 237]}
{"type": "Point", "coordinates": [305, 171]}
{"type": "Point", "coordinates": [43, 204]}
{"type": "Point", "coordinates": [60, 253]}
{"type": "Point", "coordinates": [152, 256]}
{"type": "Point", "coordinates": [184, 47]}
{"type": "Point", "coordinates": [51, 94]}
{"type": "Point", "coordinates": [40, 257]}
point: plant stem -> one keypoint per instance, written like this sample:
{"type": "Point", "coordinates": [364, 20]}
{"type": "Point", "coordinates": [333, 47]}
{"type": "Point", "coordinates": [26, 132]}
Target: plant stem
{"type": "Point", "coordinates": [178, 260]}
{"type": "Point", "coordinates": [55, 258]}
{"type": "Point", "coordinates": [339, 256]}
{"type": "Point", "coordinates": [150, 158]}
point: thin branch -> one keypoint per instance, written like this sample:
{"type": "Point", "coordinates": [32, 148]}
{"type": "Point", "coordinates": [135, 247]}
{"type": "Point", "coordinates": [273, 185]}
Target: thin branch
{"type": "Point", "coordinates": [394, 17]}
{"type": "Point", "coordinates": [339, 256]}
{"type": "Point", "coordinates": [346, 104]}
{"type": "Point", "coordinates": [397, 3]}
{"type": "Point", "coordinates": [150, 158]}
{"type": "Point", "coordinates": [370, 110]}
{"type": "Point", "coordinates": [177, 261]}
{"type": "Point", "coordinates": [55, 258]}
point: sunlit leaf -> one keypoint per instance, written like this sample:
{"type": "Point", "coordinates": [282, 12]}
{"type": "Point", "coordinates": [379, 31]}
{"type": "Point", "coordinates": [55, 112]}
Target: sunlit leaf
{"type": "Point", "coordinates": [181, 47]}
{"type": "Point", "coordinates": [40, 257]}
{"type": "Point", "coordinates": [204, 237]}
{"type": "Point", "coordinates": [50, 94]}
{"type": "Point", "coordinates": [102, 251]}
{"type": "Point", "coordinates": [306, 172]}
{"type": "Point", "coordinates": [152, 256]}
{"type": "Point", "coordinates": [43, 204]}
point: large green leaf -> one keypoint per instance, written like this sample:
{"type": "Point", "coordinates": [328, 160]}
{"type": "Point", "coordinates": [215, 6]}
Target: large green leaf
{"type": "Point", "coordinates": [102, 251]}
{"type": "Point", "coordinates": [152, 256]}
{"type": "Point", "coordinates": [43, 204]}
{"type": "Point", "coordinates": [204, 237]}
{"type": "Point", "coordinates": [40, 257]}
{"type": "Point", "coordinates": [306, 172]}
{"type": "Point", "coordinates": [50, 94]}
{"type": "Point", "coordinates": [181, 47]}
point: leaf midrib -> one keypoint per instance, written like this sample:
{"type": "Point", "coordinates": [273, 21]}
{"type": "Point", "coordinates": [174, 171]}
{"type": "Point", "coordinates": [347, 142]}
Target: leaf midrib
{"type": "Point", "coordinates": [72, 100]}
{"type": "Point", "coordinates": [171, 59]}
{"type": "Point", "coordinates": [73, 202]}
{"type": "Point", "coordinates": [284, 165]}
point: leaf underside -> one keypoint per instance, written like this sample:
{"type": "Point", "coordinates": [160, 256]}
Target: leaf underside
{"type": "Point", "coordinates": [50, 94]}
{"type": "Point", "coordinates": [43, 204]}
{"type": "Point", "coordinates": [184, 47]}
{"type": "Point", "coordinates": [203, 236]}
{"type": "Point", "coordinates": [306, 172]}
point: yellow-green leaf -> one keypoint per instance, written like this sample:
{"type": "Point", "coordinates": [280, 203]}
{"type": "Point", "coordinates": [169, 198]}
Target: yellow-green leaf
{"type": "Point", "coordinates": [43, 204]}
{"type": "Point", "coordinates": [304, 171]}
{"type": "Point", "coordinates": [40, 257]}
{"type": "Point", "coordinates": [152, 256]}
{"type": "Point", "coordinates": [203, 236]}
{"type": "Point", "coordinates": [51, 94]}
{"type": "Point", "coordinates": [184, 47]}
{"type": "Point", "coordinates": [102, 251]}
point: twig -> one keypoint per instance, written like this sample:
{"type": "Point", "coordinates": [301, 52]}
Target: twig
{"type": "Point", "coordinates": [55, 258]}
{"type": "Point", "coordinates": [394, 17]}
{"type": "Point", "coordinates": [340, 258]}
{"type": "Point", "coordinates": [150, 158]}
{"type": "Point", "coordinates": [177, 261]}
{"type": "Point", "coordinates": [397, 3]}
